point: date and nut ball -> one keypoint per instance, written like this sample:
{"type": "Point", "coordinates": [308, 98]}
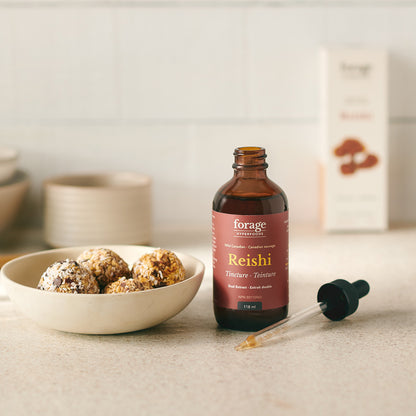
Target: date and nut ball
{"type": "Point", "coordinates": [104, 264]}
{"type": "Point", "coordinates": [124, 285]}
{"type": "Point", "coordinates": [158, 268]}
{"type": "Point", "coordinates": [68, 276]}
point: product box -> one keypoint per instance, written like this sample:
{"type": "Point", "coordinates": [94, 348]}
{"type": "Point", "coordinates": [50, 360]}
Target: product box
{"type": "Point", "coordinates": [354, 133]}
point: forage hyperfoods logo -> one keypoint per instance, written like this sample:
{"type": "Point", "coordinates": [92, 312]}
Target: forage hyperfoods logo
{"type": "Point", "coordinates": [249, 228]}
{"type": "Point", "coordinates": [354, 156]}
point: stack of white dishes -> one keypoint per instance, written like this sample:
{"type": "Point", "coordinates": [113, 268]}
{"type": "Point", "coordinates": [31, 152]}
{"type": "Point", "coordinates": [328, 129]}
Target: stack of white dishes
{"type": "Point", "coordinates": [13, 186]}
{"type": "Point", "coordinates": [98, 209]}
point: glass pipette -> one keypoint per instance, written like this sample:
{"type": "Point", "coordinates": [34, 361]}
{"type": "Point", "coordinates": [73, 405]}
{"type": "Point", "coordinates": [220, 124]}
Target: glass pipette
{"type": "Point", "coordinates": [336, 300]}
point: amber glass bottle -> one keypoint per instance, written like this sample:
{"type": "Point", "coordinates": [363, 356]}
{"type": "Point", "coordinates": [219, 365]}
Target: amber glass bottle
{"type": "Point", "coordinates": [250, 246]}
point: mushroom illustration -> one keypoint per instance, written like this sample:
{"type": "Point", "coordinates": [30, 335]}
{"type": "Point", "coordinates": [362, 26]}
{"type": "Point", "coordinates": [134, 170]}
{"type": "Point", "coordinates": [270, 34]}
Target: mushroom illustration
{"type": "Point", "coordinates": [350, 147]}
{"type": "Point", "coordinates": [370, 161]}
{"type": "Point", "coordinates": [348, 168]}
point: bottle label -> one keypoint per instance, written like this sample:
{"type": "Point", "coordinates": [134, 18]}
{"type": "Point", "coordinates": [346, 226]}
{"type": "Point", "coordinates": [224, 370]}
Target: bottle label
{"type": "Point", "coordinates": [250, 260]}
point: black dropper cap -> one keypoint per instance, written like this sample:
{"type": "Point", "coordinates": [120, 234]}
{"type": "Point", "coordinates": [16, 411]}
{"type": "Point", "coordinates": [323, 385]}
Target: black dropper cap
{"type": "Point", "coordinates": [342, 297]}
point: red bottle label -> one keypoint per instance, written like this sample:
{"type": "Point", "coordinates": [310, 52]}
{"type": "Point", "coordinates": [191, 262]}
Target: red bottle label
{"type": "Point", "coordinates": [250, 260]}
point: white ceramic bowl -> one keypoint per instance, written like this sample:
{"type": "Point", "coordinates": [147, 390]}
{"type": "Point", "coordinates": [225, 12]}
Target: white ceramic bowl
{"type": "Point", "coordinates": [102, 313]}
{"type": "Point", "coordinates": [11, 197]}
{"type": "Point", "coordinates": [97, 209]}
{"type": "Point", "coordinates": [8, 163]}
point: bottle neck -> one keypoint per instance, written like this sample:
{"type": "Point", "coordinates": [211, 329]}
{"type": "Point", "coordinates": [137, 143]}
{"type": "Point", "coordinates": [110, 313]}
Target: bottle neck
{"type": "Point", "coordinates": [250, 162]}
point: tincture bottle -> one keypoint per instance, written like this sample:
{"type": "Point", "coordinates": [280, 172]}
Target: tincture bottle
{"type": "Point", "coordinates": [250, 246]}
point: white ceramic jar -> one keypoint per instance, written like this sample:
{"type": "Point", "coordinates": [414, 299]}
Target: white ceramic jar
{"type": "Point", "coordinates": [8, 163]}
{"type": "Point", "coordinates": [98, 209]}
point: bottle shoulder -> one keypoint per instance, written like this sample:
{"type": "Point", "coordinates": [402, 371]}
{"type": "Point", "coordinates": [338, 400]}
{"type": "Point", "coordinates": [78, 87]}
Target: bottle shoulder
{"type": "Point", "coordinates": [250, 197]}
{"type": "Point", "coordinates": [250, 188]}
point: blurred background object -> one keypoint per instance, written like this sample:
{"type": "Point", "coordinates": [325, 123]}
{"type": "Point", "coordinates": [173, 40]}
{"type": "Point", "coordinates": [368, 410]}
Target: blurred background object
{"type": "Point", "coordinates": [105, 208]}
{"type": "Point", "coordinates": [354, 129]}
{"type": "Point", "coordinates": [12, 194]}
{"type": "Point", "coordinates": [170, 88]}
{"type": "Point", "coordinates": [8, 163]}
{"type": "Point", "coordinates": [13, 186]}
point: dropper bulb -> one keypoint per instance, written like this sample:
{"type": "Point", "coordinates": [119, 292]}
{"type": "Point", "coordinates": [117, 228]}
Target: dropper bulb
{"type": "Point", "coordinates": [341, 297]}
{"type": "Point", "coordinates": [362, 287]}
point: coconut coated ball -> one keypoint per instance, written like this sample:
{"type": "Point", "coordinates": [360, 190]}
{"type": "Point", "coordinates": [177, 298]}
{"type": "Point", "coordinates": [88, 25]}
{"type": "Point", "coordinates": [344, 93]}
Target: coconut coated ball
{"type": "Point", "coordinates": [106, 265]}
{"type": "Point", "coordinates": [68, 276]}
{"type": "Point", "coordinates": [158, 268]}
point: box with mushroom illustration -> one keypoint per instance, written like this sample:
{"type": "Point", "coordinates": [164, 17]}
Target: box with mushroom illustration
{"type": "Point", "coordinates": [354, 132]}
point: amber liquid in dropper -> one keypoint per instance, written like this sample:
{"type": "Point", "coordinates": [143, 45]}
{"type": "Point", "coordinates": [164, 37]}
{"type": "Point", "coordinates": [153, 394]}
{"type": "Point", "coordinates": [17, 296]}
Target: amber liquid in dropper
{"type": "Point", "coordinates": [249, 192]}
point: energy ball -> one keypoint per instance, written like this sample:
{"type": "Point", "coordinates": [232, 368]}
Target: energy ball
{"type": "Point", "coordinates": [68, 276]}
{"type": "Point", "coordinates": [105, 265]}
{"type": "Point", "coordinates": [159, 268]}
{"type": "Point", "coordinates": [124, 285]}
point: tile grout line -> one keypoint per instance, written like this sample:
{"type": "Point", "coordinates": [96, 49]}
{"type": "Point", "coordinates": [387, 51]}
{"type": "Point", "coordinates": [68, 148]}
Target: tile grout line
{"type": "Point", "coordinates": [179, 121]}
{"type": "Point", "coordinates": [204, 3]}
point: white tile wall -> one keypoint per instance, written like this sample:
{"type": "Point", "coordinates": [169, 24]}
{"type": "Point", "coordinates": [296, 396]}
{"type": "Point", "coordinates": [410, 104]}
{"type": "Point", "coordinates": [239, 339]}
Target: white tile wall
{"type": "Point", "coordinates": [62, 64]}
{"type": "Point", "coordinates": [170, 88]}
{"type": "Point", "coordinates": [181, 63]}
{"type": "Point", "coordinates": [282, 46]}
{"type": "Point", "coordinates": [7, 65]}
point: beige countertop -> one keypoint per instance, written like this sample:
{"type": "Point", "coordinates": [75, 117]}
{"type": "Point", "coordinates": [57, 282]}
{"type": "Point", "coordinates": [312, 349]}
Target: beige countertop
{"type": "Point", "coordinates": [364, 365]}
